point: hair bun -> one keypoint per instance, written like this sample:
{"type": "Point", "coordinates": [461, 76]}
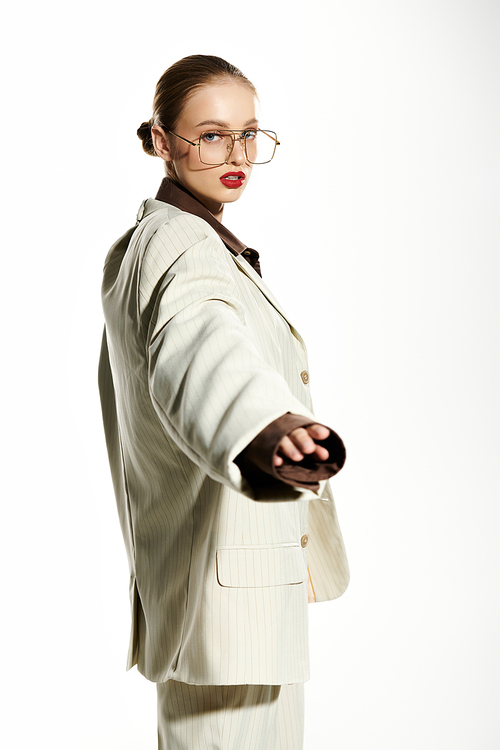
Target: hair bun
{"type": "Point", "coordinates": [144, 133]}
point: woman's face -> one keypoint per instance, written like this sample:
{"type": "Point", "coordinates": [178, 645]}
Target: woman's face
{"type": "Point", "coordinates": [231, 106]}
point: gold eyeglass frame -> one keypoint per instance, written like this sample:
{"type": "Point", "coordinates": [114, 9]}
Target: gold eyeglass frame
{"type": "Point", "coordinates": [270, 133]}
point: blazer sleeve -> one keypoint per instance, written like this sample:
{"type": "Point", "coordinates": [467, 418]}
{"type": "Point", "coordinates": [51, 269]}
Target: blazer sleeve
{"type": "Point", "coordinates": [210, 386]}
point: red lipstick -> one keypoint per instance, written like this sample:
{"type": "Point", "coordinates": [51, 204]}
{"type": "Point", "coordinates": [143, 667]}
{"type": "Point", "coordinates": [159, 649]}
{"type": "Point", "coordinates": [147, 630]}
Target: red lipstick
{"type": "Point", "coordinates": [233, 179]}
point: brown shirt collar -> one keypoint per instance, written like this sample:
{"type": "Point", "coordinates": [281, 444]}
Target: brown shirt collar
{"type": "Point", "coordinates": [176, 195]}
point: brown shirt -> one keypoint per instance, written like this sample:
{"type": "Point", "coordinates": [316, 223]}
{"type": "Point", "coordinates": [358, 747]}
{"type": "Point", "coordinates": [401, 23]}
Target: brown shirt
{"type": "Point", "coordinates": [256, 460]}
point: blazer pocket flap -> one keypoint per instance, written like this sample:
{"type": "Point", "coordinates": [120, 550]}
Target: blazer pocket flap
{"type": "Point", "coordinates": [255, 567]}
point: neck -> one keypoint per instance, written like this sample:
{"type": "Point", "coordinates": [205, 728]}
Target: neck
{"type": "Point", "coordinates": [218, 214]}
{"type": "Point", "coordinates": [214, 207]}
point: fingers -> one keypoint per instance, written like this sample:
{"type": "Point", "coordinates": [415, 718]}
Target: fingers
{"type": "Point", "coordinates": [289, 446]}
{"type": "Point", "coordinates": [301, 442]}
{"type": "Point", "coordinates": [318, 431]}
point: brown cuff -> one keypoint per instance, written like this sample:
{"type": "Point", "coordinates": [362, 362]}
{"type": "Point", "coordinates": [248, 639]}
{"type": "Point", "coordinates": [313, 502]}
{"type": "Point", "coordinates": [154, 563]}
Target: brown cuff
{"type": "Point", "coordinates": [256, 460]}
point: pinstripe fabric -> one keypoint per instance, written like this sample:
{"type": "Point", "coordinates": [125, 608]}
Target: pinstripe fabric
{"type": "Point", "coordinates": [197, 359]}
{"type": "Point", "coordinates": [230, 717]}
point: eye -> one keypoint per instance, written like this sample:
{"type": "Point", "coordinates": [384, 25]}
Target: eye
{"type": "Point", "coordinates": [211, 137]}
{"type": "Point", "coordinates": [250, 135]}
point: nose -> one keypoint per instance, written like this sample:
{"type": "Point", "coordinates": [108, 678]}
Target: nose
{"type": "Point", "coordinates": [237, 155]}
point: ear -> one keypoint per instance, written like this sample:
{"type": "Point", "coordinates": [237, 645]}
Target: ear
{"type": "Point", "coordinates": [161, 143]}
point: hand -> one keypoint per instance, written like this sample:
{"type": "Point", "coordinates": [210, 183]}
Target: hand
{"type": "Point", "coordinates": [300, 443]}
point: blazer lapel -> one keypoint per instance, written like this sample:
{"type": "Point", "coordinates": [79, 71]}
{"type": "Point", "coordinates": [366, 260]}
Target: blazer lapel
{"type": "Point", "coordinates": [174, 194]}
{"type": "Point", "coordinates": [247, 269]}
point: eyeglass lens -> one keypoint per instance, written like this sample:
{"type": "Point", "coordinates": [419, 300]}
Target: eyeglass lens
{"type": "Point", "coordinates": [216, 146]}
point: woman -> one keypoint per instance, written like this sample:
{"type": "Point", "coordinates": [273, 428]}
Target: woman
{"type": "Point", "coordinates": [212, 442]}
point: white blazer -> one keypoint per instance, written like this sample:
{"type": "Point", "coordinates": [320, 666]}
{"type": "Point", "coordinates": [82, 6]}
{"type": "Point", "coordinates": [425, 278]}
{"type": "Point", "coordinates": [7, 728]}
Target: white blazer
{"type": "Point", "coordinates": [198, 357]}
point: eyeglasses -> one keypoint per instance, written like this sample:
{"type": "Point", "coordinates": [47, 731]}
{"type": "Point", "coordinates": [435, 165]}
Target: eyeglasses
{"type": "Point", "coordinates": [216, 146]}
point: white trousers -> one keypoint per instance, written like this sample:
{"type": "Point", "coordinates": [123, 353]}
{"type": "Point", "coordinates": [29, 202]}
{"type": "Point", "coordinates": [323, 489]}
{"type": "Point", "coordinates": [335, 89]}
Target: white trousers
{"type": "Point", "coordinates": [230, 717]}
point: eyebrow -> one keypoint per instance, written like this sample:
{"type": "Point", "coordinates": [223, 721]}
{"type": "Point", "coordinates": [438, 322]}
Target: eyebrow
{"type": "Point", "coordinates": [224, 124]}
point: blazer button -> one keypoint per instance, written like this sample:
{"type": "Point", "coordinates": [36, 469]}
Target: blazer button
{"type": "Point", "coordinates": [304, 541]}
{"type": "Point", "coordinates": [305, 377]}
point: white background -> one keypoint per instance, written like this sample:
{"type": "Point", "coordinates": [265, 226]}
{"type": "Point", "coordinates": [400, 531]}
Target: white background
{"type": "Point", "coordinates": [378, 228]}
